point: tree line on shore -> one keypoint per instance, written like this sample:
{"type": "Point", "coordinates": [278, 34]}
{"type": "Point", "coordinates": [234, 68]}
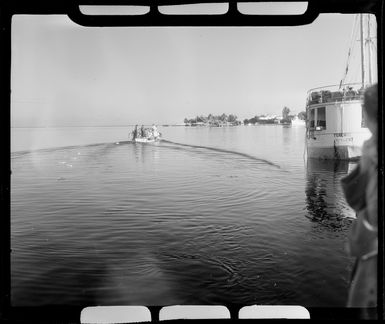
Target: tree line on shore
{"type": "Point", "coordinates": [214, 120]}
{"type": "Point", "coordinates": [224, 119]}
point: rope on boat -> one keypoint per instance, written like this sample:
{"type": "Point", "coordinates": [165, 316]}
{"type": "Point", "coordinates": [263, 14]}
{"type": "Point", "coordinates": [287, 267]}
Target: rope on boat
{"type": "Point", "coordinates": [351, 46]}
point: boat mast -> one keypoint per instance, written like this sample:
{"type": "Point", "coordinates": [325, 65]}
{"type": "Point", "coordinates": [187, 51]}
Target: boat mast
{"type": "Point", "coordinates": [369, 51]}
{"type": "Point", "coordinates": [362, 50]}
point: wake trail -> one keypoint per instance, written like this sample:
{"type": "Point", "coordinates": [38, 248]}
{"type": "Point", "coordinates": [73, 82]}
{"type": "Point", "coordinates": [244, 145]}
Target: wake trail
{"type": "Point", "coordinates": [215, 149]}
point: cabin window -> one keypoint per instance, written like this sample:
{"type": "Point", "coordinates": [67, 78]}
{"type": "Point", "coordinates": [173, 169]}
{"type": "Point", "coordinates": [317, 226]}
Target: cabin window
{"type": "Point", "coordinates": [363, 119]}
{"type": "Point", "coordinates": [311, 118]}
{"type": "Point", "coordinates": [321, 118]}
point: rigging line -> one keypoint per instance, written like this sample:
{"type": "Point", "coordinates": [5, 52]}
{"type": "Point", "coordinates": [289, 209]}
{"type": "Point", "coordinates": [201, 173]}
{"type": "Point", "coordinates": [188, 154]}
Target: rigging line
{"type": "Point", "coordinates": [348, 58]}
{"type": "Point", "coordinates": [351, 45]}
{"type": "Point", "coordinates": [353, 71]}
{"type": "Point", "coordinates": [353, 57]}
{"type": "Point", "coordinates": [353, 41]}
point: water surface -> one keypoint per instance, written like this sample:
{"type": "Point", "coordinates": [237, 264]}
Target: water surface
{"type": "Point", "coordinates": [207, 216]}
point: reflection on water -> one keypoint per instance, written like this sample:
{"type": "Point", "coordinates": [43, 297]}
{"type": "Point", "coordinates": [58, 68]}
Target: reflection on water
{"type": "Point", "coordinates": [325, 200]}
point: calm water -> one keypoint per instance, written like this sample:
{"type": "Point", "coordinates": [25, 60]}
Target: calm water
{"type": "Point", "coordinates": [207, 216]}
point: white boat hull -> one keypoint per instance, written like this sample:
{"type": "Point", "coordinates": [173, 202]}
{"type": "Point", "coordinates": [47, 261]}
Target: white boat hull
{"type": "Point", "coordinates": [344, 146]}
{"type": "Point", "coordinates": [146, 140]}
{"type": "Point", "coordinates": [341, 152]}
{"type": "Point", "coordinates": [342, 135]}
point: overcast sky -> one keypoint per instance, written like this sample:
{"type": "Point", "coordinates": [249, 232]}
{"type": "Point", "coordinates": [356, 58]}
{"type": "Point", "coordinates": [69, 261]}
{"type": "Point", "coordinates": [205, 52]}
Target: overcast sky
{"type": "Point", "coordinates": [67, 75]}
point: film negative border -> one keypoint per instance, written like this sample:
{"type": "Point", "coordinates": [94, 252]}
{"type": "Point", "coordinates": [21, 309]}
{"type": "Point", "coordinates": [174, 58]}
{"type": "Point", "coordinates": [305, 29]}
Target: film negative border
{"type": "Point", "coordinates": [154, 18]}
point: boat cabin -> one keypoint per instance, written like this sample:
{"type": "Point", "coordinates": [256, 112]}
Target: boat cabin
{"type": "Point", "coordinates": [335, 111]}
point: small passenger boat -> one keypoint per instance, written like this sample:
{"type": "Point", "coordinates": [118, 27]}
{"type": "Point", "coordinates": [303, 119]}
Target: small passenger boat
{"type": "Point", "coordinates": [146, 135]}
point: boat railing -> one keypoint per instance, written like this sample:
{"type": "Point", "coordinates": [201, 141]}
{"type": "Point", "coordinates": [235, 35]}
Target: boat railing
{"type": "Point", "coordinates": [335, 93]}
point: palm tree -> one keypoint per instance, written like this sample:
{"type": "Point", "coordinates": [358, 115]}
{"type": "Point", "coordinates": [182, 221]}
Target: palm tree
{"type": "Point", "coordinates": [285, 112]}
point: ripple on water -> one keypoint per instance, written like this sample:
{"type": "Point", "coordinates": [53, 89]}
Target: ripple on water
{"type": "Point", "coordinates": [173, 223]}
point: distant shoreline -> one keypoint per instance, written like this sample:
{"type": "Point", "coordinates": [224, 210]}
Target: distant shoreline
{"type": "Point", "coordinates": [92, 126]}
{"type": "Point", "coordinates": [164, 125]}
